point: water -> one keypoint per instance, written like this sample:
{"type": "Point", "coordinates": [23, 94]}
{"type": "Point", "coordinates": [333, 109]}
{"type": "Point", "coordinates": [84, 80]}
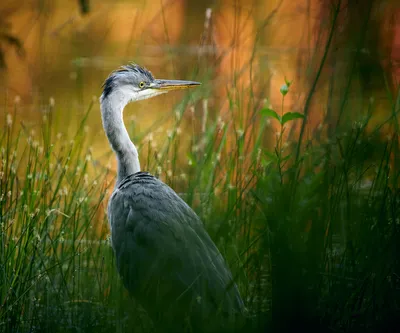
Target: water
{"type": "Point", "coordinates": [236, 48]}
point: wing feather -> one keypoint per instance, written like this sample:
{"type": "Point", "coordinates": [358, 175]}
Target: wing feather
{"type": "Point", "coordinates": [164, 255]}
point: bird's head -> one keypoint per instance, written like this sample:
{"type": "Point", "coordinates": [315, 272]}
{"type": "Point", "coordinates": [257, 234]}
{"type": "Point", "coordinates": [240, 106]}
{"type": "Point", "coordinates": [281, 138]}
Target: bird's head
{"type": "Point", "coordinates": [136, 83]}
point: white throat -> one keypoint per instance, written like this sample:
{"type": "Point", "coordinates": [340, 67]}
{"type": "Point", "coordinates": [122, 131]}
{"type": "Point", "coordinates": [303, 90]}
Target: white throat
{"type": "Point", "coordinates": [112, 108]}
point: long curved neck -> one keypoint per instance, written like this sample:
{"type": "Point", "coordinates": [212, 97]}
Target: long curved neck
{"type": "Point", "coordinates": [112, 108]}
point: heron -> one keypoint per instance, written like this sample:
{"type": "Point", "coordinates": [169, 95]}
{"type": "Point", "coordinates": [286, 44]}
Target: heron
{"type": "Point", "coordinates": [164, 255]}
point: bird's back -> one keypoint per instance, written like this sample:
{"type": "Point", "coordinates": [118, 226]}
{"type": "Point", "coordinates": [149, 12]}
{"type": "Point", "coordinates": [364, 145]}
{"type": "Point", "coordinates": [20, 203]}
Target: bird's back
{"type": "Point", "coordinates": [167, 260]}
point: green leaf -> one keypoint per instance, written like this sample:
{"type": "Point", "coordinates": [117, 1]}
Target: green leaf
{"type": "Point", "coordinates": [265, 163]}
{"type": "Point", "coordinates": [271, 156]}
{"type": "Point", "coordinates": [290, 116]}
{"type": "Point", "coordinates": [288, 83]}
{"type": "Point", "coordinates": [267, 112]}
{"type": "Point", "coordinates": [191, 159]}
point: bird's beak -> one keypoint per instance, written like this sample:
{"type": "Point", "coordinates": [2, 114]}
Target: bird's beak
{"type": "Point", "coordinates": [172, 84]}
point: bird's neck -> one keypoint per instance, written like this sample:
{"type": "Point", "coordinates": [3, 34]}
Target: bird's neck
{"type": "Point", "coordinates": [112, 115]}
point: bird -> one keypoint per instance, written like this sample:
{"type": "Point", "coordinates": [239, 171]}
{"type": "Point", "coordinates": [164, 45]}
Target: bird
{"type": "Point", "coordinates": [164, 255]}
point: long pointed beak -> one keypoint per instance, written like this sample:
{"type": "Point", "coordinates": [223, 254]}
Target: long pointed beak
{"type": "Point", "coordinates": [172, 84]}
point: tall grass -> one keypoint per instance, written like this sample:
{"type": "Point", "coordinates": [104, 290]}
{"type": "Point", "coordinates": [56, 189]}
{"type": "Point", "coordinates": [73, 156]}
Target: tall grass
{"type": "Point", "coordinates": [50, 213]}
{"type": "Point", "coordinates": [314, 250]}
{"type": "Point", "coordinates": [309, 227]}
{"type": "Point", "coordinates": [333, 233]}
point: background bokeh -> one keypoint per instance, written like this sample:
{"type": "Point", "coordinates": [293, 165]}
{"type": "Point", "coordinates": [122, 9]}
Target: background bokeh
{"type": "Point", "coordinates": [65, 49]}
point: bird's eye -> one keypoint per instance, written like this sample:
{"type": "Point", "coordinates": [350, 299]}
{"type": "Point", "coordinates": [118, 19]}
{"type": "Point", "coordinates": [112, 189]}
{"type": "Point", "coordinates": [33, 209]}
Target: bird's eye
{"type": "Point", "coordinates": [141, 84]}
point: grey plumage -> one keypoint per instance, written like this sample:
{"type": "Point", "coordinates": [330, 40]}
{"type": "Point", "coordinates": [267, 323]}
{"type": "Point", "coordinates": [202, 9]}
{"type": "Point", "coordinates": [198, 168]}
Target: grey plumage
{"type": "Point", "coordinates": [131, 73]}
{"type": "Point", "coordinates": [164, 255]}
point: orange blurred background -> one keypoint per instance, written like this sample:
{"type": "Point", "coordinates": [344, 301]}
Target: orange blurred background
{"type": "Point", "coordinates": [245, 48]}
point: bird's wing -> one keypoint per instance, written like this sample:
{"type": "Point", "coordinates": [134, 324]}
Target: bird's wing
{"type": "Point", "coordinates": [163, 251]}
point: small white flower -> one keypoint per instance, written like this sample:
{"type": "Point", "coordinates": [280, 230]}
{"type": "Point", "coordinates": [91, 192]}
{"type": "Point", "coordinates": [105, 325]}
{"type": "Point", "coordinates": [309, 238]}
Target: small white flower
{"type": "Point", "coordinates": [149, 137]}
{"type": "Point", "coordinates": [9, 120]}
{"type": "Point", "coordinates": [208, 13]}
{"type": "Point", "coordinates": [258, 154]}
{"type": "Point", "coordinates": [64, 191]}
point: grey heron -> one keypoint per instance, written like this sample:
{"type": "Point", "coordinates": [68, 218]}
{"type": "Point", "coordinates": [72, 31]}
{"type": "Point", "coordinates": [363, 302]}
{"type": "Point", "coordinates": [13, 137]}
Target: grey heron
{"type": "Point", "coordinates": [164, 255]}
